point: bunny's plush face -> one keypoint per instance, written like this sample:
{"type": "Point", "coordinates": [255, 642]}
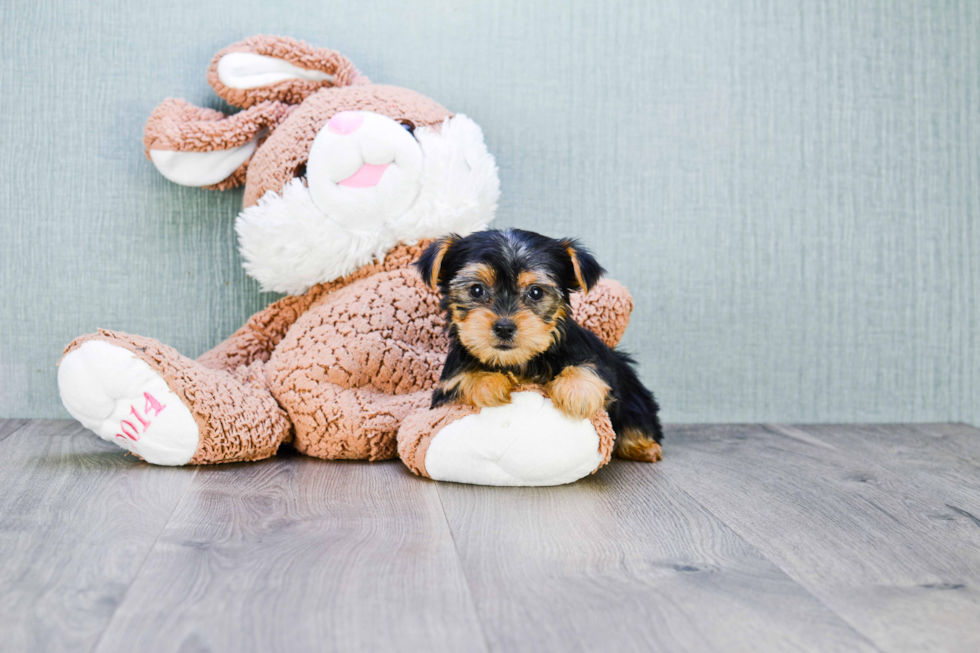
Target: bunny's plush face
{"type": "Point", "coordinates": [336, 170]}
{"type": "Point", "coordinates": [364, 188]}
{"type": "Point", "coordinates": [364, 169]}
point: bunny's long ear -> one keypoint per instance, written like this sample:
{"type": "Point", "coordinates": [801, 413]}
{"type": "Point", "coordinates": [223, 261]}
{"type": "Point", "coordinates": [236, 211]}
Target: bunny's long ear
{"type": "Point", "coordinates": [277, 68]}
{"type": "Point", "coordinates": [192, 146]}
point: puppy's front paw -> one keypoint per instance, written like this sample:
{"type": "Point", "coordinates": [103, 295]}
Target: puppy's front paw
{"type": "Point", "coordinates": [578, 392]}
{"type": "Point", "coordinates": [483, 389]}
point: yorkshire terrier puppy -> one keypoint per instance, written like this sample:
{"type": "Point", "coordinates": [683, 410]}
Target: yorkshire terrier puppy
{"type": "Point", "coordinates": [506, 297]}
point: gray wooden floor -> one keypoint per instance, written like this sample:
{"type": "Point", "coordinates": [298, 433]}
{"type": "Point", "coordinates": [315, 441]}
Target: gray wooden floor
{"type": "Point", "coordinates": [745, 538]}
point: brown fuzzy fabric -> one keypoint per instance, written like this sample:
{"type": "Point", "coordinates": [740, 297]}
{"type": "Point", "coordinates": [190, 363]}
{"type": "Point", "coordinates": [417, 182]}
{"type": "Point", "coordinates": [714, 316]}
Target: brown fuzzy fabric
{"type": "Point", "coordinates": [290, 91]}
{"type": "Point", "coordinates": [180, 126]}
{"type": "Point", "coordinates": [236, 415]}
{"type": "Point", "coordinates": [288, 147]}
{"type": "Point", "coordinates": [605, 311]}
{"type": "Point", "coordinates": [362, 354]}
{"type": "Point", "coordinates": [263, 331]}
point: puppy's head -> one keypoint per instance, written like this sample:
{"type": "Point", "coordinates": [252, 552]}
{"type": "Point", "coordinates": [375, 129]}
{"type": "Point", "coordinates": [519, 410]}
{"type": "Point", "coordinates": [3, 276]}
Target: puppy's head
{"type": "Point", "coordinates": [507, 292]}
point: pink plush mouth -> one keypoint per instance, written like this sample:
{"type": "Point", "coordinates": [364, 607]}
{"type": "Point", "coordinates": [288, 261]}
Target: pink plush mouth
{"type": "Point", "coordinates": [367, 175]}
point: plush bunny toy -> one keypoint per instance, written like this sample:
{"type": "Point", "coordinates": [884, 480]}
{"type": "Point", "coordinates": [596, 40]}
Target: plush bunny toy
{"type": "Point", "coordinates": [345, 183]}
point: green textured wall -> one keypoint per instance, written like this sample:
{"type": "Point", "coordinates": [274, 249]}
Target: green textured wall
{"type": "Point", "coordinates": [790, 189]}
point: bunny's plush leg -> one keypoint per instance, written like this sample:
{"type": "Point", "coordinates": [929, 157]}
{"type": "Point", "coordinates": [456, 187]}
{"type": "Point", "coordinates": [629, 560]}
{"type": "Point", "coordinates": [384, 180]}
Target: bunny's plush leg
{"type": "Point", "coordinates": [167, 408]}
{"type": "Point", "coordinates": [526, 442]}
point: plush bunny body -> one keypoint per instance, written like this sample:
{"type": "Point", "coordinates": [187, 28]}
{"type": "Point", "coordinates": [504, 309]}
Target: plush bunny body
{"type": "Point", "coordinates": [340, 198]}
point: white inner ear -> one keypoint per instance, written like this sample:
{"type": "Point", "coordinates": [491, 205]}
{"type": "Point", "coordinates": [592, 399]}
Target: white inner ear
{"type": "Point", "coordinates": [248, 70]}
{"type": "Point", "coordinates": [201, 168]}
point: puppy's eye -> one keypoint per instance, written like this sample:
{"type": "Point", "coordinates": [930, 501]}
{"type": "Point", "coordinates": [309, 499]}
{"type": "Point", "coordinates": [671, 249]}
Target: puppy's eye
{"type": "Point", "coordinates": [535, 293]}
{"type": "Point", "coordinates": [477, 291]}
{"type": "Point", "coordinates": [408, 126]}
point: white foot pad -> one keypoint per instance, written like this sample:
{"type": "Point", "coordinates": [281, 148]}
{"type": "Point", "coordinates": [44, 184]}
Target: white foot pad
{"type": "Point", "coordinates": [527, 442]}
{"type": "Point", "coordinates": [123, 400]}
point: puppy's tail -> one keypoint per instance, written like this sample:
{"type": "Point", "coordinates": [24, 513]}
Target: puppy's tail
{"type": "Point", "coordinates": [634, 416]}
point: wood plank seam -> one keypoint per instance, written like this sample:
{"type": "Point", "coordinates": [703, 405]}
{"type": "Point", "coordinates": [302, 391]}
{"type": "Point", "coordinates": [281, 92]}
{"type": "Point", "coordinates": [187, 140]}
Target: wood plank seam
{"type": "Point", "coordinates": [871, 463]}
{"type": "Point", "coordinates": [462, 570]}
{"type": "Point", "coordinates": [797, 434]}
{"type": "Point", "coordinates": [928, 429]}
{"type": "Point", "coordinates": [803, 587]}
{"type": "Point", "coordinates": [149, 552]}
{"type": "Point", "coordinates": [964, 513]}
{"type": "Point", "coordinates": [4, 436]}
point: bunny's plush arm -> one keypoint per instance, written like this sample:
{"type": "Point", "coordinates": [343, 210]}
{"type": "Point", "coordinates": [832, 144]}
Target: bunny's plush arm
{"type": "Point", "coordinates": [256, 339]}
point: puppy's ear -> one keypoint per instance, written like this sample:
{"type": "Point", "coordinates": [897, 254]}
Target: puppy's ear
{"type": "Point", "coordinates": [430, 263]}
{"type": "Point", "coordinates": [586, 271]}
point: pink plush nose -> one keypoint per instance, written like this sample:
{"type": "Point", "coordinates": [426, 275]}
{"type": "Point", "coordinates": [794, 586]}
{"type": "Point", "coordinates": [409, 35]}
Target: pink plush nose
{"type": "Point", "coordinates": [345, 122]}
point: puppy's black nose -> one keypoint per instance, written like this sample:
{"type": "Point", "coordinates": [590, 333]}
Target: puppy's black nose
{"type": "Point", "coordinates": [504, 329]}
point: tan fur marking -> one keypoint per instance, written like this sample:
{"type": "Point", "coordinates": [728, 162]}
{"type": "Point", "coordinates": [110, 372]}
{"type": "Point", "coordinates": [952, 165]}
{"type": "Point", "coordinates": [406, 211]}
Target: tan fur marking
{"type": "Point", "coordinates": [481, 272]}
{"type": "Point", "coordinates": [534, 335]}
{"type": "Point", "coordinates": [635, 445]}
{"type": "Point", "coordinates": [527, 278]}
{"type": "Point", "coordinates": [482, 389]}
{"type": "Point", "coordinates": [578, 270]}
{"type": "Point", "coordinates": [475, 332]}
{"type": "Point", "coordinates": [578, 391]}
{"type": "Point", "coordinates": [530, 278]}
{"type": "Point", "coordinates": [534, 278]}
{"type": "Point", "coordinates": [437, 262]}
